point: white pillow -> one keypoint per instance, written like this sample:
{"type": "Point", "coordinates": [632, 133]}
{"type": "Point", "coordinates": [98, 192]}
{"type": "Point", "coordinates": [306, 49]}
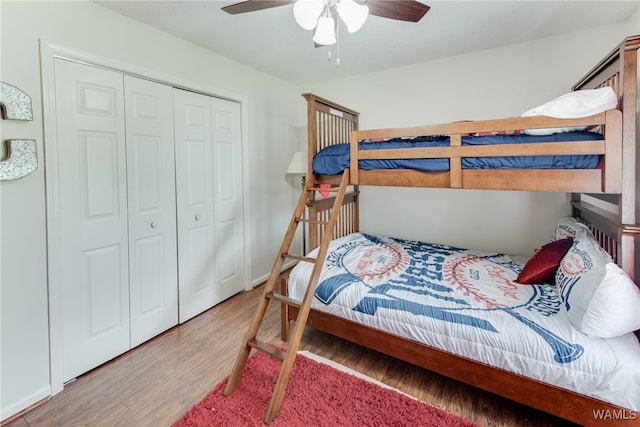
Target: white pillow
{"type": "Point", "coordinates": [613, 309]}
{"type": "Point", "coordinates": [569, 226]}
{"type": "Point", "coordinates": [601, 301]}
{"type": "Point", "coordinates": [572, 105]}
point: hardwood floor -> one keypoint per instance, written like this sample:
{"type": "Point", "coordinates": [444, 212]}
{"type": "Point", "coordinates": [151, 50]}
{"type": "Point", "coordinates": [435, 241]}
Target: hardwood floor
{"type": "Point", "coordinates": [155, 383]}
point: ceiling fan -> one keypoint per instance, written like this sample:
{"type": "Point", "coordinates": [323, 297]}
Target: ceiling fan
{"type": "Point", "coordinates": [402, 10]}
{"type": "Point", "coordinates": [322, 16]}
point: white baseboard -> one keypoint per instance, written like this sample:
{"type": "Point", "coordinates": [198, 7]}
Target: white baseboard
{"type": "Point", "coordinates": [260, 280]}
{"type": "Point", "coordinates": [24, 403]}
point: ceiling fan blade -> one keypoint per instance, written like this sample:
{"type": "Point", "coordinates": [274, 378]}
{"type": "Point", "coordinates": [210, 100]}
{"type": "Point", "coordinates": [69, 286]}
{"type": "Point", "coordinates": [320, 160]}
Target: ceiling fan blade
{"type": "Point", "coordinates": [253, 5]}
{"type": "Point", "coordinates": [402, 10]}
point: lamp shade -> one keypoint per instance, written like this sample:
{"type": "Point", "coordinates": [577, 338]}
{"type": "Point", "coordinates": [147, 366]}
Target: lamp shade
{"type": "Point", "coordinates": [325, 31]}
{"type": "Point", "coordinates": [352, 14]}
{"type": "Point", "coordinates": [307, 12]}
{"type": "Point", "coordinates": [298, 164]}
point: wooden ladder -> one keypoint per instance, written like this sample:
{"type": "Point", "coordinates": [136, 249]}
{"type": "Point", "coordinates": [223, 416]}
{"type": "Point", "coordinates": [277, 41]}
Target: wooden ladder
{"type": "Point", "coordinates": [288, 356]}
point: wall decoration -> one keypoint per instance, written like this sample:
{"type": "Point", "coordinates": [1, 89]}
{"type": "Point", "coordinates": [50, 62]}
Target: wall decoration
{"type": "Point", "coordinates": [16, 105]}
{"type": "Point", "coordinates": [21, 161]}
{"type": "Point", "coordinates": [21, 157]}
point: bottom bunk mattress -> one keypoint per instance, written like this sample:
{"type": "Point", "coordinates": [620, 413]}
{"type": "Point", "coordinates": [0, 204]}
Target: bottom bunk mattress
{"type": "Point", "coordinates": [466, 302]}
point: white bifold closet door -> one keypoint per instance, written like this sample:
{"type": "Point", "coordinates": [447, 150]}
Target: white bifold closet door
{"type": "Point", "coordinates": [153, 267]}
{"type": "Point", "coordinates": [116, 212]}
{"type": "Point", "coordinates": [209, 199]}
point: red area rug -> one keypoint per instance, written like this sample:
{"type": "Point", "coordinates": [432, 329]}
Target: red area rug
{"type": "Point", "coordinates": [317, 395]}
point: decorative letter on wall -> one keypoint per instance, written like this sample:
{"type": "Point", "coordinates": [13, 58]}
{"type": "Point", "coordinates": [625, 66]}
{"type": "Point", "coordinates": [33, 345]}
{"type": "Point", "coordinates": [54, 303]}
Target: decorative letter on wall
{"type": "Point", "coordinates": [22, 157]}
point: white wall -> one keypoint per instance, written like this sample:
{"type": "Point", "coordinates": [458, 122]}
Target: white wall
{"type": "Point", "coordinates": [500, 82]}
{"type": "Point", "coordinates": [275, 115]}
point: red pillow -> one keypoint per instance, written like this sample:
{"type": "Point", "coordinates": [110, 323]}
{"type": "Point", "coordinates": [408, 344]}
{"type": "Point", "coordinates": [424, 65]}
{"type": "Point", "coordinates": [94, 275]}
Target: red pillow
{"type": "Point", "coordinates": [542, 266]}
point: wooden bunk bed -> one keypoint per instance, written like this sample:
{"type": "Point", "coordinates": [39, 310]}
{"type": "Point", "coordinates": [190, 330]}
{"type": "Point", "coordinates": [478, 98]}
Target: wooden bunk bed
{"type": "Point", "coordinates": [612, 183]}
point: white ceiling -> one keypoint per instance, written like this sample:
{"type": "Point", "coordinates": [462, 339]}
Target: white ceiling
{"type": "Point", "coordinates": [271, 41]}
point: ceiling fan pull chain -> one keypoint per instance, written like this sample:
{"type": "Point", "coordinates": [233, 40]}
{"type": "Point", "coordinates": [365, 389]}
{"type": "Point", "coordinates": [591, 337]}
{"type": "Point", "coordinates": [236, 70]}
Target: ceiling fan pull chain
{"type": "Point", "coordinates": [338, 63]}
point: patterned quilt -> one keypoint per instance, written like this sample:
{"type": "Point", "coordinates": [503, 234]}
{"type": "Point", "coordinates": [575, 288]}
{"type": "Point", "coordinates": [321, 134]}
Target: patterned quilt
{"type": "Point", "coordinates": [466, 302]}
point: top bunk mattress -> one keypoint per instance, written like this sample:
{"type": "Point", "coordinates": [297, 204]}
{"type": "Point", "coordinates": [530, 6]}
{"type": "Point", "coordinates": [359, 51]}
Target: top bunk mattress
{"type": "Point", "coordinates": [332, 160]}
{"type": "Point", "coordinates": [466, 302]}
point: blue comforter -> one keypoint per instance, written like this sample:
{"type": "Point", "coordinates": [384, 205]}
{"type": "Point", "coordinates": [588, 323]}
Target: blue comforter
{"type": "Point", "coordinates": [334, 159]}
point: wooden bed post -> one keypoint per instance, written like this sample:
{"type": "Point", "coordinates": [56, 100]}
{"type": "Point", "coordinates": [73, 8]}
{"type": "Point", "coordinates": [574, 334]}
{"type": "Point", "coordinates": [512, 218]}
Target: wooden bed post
{"type": "Point", "coordinates": [629, 77]}
{"type": "Point", "coordinates": [629, 233]}
{"type": "Point", "coordinates": [328, 123]}
{"type": "Point", "coordinates": [619, 70]}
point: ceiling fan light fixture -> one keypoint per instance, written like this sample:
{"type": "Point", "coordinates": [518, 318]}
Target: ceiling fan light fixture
{"type": "Point", "coordinates": [325, 33]}
{"type": "Point", "coordinates": [307, 12]}
{"type": "Point", "coordinates": [352, 14]}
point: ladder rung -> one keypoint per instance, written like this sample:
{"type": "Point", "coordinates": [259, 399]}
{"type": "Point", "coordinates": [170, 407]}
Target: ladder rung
{"type": "Point", "coordinates": [268, 349]}
{"type": "Point", "coordinates": [283, 299]}
{"type": "Point", "coordinates": [312, 221]}
{"type": "Point", "coordinates": [300, 258]}
{"type": "Point", "coordinates": [331, 190]}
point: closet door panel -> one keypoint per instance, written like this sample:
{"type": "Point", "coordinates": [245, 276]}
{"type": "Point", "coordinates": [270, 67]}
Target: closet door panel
{"type": "Point", "coordinates": [153, 274]}
{"type": "Point", "coordinates": [229, 253]}
{"type": "Point", "coordinates": [195, 201]}
{"type": "Point", "coordinates": [92, 212]}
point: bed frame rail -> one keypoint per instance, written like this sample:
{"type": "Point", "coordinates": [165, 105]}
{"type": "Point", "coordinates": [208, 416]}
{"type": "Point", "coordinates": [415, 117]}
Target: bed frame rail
{"type": "Point", "coordinates": [618, 239]}
{"type": "Point", "coordinates": [607, 180]}
{"type": "Point", "coordinates": [348, 221]}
